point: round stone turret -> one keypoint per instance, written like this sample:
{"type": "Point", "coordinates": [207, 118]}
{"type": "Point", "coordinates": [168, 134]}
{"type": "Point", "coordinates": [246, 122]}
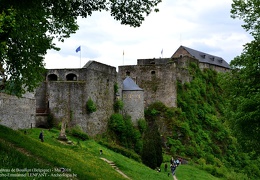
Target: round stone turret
{"type": "Point", "coordinates": [133, 98]}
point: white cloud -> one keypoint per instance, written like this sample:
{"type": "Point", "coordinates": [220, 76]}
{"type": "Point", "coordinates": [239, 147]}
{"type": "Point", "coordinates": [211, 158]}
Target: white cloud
{"type": "Point", "coordinates": [202, 25]}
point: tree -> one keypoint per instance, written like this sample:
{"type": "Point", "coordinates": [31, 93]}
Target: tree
{"type": "Point", "coordinates": [242, 84]}
{"type": "Point", "coordinates": [243, 88]}
{"type": "Point", "coordinates": [248, 11]}
{"type": "Point", "coordinates": [152, 143]}
{"type": "Point", "coordinates": [27, 30]}
{"type": "Point", "coordinates": [152, 147]}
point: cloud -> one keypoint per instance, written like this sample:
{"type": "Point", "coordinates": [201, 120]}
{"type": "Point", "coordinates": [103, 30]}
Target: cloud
{"type": "Point", "coordinates": [202, 25]}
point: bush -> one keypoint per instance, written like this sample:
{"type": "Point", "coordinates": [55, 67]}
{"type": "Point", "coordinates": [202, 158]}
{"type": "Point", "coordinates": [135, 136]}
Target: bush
{"type": "Point", "coordinates": [118, 105]}
{"type": "Point", "coordinates": [116, 124]}
{"type": "Point", "coordinates": [90, 106]}
{"type": "Point", "coordinates": [142, 125]}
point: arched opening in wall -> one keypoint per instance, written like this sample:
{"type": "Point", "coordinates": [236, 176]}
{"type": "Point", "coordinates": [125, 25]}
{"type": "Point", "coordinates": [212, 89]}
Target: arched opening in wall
{"type": "Point", "coordinates": [52, 77]}
{"type": "Point", "coordinates": [127, 73]}
{"type": "Point", "coordinates": [71, 77]}
{"type": "Point", "coordinates": [181, 56]}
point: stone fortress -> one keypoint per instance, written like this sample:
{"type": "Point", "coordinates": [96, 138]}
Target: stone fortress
{"type": "Point", "coordinates": [65, 92]}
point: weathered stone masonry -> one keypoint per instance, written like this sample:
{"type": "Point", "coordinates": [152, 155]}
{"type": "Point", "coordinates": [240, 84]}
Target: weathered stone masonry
{"type": "Point", "coordinates": [17, 113]}
{"type": "Point", "coordinates": [64, 92]}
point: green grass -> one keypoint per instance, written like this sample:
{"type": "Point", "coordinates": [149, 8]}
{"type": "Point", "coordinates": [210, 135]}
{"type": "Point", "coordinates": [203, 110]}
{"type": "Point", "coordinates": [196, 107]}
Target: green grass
{"type": "Point", "coordinates": [82, 158]}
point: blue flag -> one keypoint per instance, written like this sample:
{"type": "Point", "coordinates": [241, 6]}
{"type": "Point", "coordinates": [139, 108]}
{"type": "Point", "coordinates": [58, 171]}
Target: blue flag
{"type": "Point", "coordinates": [78, 49]}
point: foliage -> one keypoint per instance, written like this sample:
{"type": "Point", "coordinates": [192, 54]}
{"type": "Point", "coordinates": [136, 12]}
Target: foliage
{"type": "Point", "coordinates": [78, 133]}
{"type": "Point", "coordinates": [152, 147]}
{"type": "Point", "coordinates": [118, 105]}
{"type": "Point", "coordinates": [122, 130]}
{"type": "Point", "coordinates": [90, 106]}
{"type": "Point", "coordinates": [142, 125]}
{"type": "Point", "coordinates": [53, 154]}
{"type": "Point", "coordinates": [27, 31]}
{"type": "Point", "coordinates": [116, 88]}
{"type": "Point", "coordinates": [152, 143]}
{"type": "Point", "coordinates": [242, 84]}
{"type": "Point", "coordinates": [248, 11]}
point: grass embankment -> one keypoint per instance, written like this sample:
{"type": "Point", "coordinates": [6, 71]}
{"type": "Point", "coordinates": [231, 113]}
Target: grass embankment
{"type": "Point", "coordinates": [20, 151]}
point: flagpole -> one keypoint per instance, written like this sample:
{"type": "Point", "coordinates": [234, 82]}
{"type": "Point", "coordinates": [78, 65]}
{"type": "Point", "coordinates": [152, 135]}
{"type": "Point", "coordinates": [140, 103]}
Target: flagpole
{"type": "Point", "coordinates": [80, 58]}
{"type": "Point", "coordinates": [123, 57]}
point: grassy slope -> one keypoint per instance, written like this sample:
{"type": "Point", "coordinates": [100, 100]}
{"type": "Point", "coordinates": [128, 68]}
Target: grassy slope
{"type": "Point", "coordinates": [82, 158]}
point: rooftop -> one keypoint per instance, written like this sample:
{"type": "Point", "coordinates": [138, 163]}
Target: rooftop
{"type": "Point", "coordinates": [207, 58]}
{"type": "Point", "coordinates": [130, 85]}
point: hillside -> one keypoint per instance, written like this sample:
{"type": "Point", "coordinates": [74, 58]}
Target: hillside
{"type": "Point", "coordinates": [23, 154]}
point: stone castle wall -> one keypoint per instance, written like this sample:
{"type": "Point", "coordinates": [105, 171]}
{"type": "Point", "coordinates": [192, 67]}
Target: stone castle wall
{"type": "Point", "coordinates": [65, 92]}
{"type": "Point", "coordinates": [66, 99]}
{"type": "Point", "coordinates": [16, 112]}
{"type": "Point", "coordinates": [157, 81]}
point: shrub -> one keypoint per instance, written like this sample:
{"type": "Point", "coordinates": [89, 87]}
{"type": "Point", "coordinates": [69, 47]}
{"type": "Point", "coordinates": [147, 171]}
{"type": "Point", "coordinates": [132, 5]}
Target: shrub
{"type": "Point", "coordinates": [90, 106]}
{"type": "Point", "coordinates": [116, 124]}
{"type": "Point", "coordinates": [142, 125]}
{"type": "Point", "coordinates": [118, 105]}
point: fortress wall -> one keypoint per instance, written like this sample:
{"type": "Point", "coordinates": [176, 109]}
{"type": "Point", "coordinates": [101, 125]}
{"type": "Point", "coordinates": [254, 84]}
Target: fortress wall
{"type": "Point", "coordinates": [100, 88]}
{"type": "Point", "coordinates": [157, 81]}
{"type": "Point", "coordinates": [40, 96]}
{"type": "Point", "coordinates": [97, 66]}
{"type": "Point", "coordinates": [210, 66]}
{"type": "Point", "coordinates": [17, 113]}
{"type": "Point", "coordinates": [67, 99]}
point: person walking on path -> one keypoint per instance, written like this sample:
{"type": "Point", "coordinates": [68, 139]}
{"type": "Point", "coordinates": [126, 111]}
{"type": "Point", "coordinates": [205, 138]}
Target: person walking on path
{"type": "Point", "coordinates": [173, 168]}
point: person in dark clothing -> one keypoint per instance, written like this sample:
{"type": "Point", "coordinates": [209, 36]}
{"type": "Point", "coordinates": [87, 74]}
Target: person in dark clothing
{"type": "Point", "coordinates": [173, 168]}
{"type": "Point", "coordinates": [41, 136]}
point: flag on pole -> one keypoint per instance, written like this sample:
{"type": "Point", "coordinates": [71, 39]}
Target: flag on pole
{"type": "Point", "coordinates": [78, 49]}
{"type": "Point", "coordinates": [123, 52]}
{"type": "Point", "coordinates": [162, 51]}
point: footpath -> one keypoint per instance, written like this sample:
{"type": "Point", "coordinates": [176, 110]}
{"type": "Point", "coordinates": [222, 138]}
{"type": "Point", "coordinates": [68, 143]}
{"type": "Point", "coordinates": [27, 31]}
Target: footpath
{"type": "Point", "coordinates": [111, 163]}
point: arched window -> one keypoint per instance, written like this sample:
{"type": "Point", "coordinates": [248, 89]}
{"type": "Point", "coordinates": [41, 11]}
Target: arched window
{"type": "Point", "coordinates": [52, 77]}
{"type": "Point", "coordinates": [71, 77]}
{"type": "Point", "coordinates": [127, 73]}
{"type": "Point", "coordinates": [152, 72]}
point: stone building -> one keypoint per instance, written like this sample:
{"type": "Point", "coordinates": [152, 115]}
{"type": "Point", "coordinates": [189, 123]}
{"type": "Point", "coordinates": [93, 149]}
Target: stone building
{"type": "Point", "coordinates": [65, 92]}
{"type": "Point", "coordinates": [158, 77]}
{"type": "Point", "coordinates": [205, 60]}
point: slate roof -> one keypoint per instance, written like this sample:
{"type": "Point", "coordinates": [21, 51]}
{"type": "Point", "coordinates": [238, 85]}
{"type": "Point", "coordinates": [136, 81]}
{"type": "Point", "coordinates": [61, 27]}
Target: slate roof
{"type": "Point", "coordinates": [207, 58]}
{"type": "Point", "coordinates": [130, 85]}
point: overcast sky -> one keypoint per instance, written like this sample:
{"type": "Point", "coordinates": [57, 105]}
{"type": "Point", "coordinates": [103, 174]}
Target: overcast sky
{"type": "Point", "coordinates": [198, 24]}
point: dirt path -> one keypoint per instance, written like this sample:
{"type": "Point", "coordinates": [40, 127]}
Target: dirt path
{"type": "Point", "coordinates": [111, 163]}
